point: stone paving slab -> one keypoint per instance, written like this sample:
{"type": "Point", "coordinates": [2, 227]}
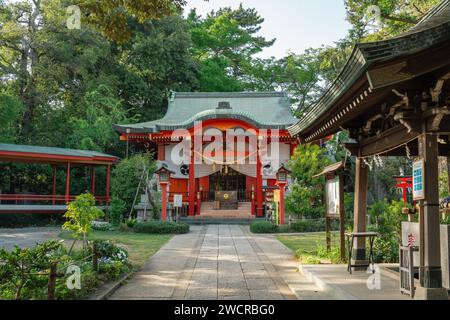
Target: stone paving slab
{"type": "Point", "coordinates": [27, 237]}
{"type": "Point", "coordinates": [343, 286]}
{"type": "Point", "coordinates": [219, 262]}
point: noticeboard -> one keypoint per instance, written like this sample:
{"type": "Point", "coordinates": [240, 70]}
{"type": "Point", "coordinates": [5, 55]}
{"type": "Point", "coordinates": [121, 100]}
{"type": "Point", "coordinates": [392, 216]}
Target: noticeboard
{"type": "Point", "coordinates": [178, 201]}
{"type": "Point", "coordinates": [419, 180]}
{"type": "Point", "coordinates": [332, 197]}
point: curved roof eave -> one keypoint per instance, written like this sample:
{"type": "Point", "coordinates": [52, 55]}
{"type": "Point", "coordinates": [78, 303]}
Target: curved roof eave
{"type": "Point", "coordinates": [364, 55]}
{"type": "Point", "coordinates": [203, 116]}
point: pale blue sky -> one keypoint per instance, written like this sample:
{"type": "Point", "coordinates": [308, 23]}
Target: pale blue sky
{"type": "Point", "coordinates": [296, 24]}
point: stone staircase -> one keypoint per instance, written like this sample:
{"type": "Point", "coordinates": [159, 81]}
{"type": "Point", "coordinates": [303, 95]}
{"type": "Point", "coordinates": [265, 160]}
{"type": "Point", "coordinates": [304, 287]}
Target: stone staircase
{"type": "Point", "coordinates": [241, 216]}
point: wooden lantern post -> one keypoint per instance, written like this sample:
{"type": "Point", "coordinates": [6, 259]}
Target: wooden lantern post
{"type": "Point", "coordinates": [164, 180]}
{"type": "Point", "coordinates": [282, 180]}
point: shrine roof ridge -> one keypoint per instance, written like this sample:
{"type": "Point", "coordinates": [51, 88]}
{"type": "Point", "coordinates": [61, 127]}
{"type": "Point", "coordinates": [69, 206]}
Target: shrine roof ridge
{"type": "Point", "coordinates": [264, 110]}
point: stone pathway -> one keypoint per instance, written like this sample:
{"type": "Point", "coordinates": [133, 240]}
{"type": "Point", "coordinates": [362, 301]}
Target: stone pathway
{"type": "Point", "coordinates": [220, 262]}
{"type": "Point", "coordinates": [26, 237]}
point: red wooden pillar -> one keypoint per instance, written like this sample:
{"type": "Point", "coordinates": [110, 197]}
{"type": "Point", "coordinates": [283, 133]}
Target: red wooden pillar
{"type": "Point", "coordinates": [259, 186]}
{"type": "Point", "coordinates": [67, 195]}
{"type": "Point", "coordinates": [192, 188]}
{"type": "Point", "coordinates": [93, 181]}
{"type": "Point", "coordinates": [253, 200]}
{"type": "Point", "coordinates": [164, 201]}
{"type": "Point", "coordinates": [108, 179]}
{"type": "Point", "coordinates": [54, 185]}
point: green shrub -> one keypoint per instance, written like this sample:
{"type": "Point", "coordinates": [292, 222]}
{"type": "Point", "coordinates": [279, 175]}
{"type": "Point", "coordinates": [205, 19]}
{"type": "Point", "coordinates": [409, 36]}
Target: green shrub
{"type": "Point", "coordinates": [386, 218]}
{"type": "Point", "coordinates": [107, 249]}
{"type": "Point", "coordinates": [308, 226]}
{"type": "Point", "coordinates": [158, 227]}
{"type": "Point", "coordinates": [263, 227]}
{"type": "Point", "coordinates": [116, 211]}
{"type": "Point", "coordinates": [101, 226]}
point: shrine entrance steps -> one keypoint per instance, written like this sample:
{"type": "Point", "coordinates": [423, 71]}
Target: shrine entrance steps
{"type": "Point", "coordinates": [209, 215]}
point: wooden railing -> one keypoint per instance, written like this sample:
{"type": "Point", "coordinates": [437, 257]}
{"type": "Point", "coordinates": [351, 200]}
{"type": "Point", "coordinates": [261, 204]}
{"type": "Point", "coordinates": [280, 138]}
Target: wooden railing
{"type": "Point", "coordinates": [52, 199]}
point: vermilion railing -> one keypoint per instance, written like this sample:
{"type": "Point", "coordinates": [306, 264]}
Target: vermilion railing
{"type": "Point", "coordinates": [54, 199]}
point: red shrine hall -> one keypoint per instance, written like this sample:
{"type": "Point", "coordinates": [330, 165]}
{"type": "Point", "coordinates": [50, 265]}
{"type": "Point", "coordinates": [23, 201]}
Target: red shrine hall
{"type": "Point", "coordinates": [223, 150]}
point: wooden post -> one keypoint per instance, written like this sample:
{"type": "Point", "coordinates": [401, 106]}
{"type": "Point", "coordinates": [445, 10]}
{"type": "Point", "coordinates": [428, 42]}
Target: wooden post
{"type": "Point", "coordinates": [164, 202]}
{"type": "Point", "coordinates": [431, 280]}
{"type": "Point", "coordinates": [259, 186]}
{"type": "Point", "coordinates": [108, 180]}
{"type": "Point", "coordinates": [253, 201]}
{"type": "Point", "coordinates": [282, 186]}
{"type": "Point", "coordinates": [67, 195]}
{"type": "Point", "coordinates": [192, 187]}
{"type": "Point", "coordinates": [361, 186]}
{"type": "Point", "coordinates": [328, 232]}
{"type": "Point", "coordinates": [342, 216]}
{"type": "Point", "coordinates": [94, 257]}
{"type": "Point", "coordinates": [93, 180]}
{"type": "Point", "coordinates": [54, 184]}
{"type": "Point", "coordinates": [52, 281]}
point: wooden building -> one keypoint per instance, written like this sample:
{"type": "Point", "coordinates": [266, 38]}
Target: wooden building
{"type": "Point", "coordinates": [393, 98]}
{"type": "Point", "coordinates": [203, 119]}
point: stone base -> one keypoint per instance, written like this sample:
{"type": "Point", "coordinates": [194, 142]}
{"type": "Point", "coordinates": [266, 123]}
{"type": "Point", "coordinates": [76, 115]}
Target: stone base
{"type": "Point", "coordinates": [359, 258]}
{"type": "Point", "coordinates": [363, 264]}
{"type": "Point", "coordinates": [431, 294]}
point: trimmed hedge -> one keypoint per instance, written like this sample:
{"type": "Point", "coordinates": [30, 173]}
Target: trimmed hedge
{"type": "Point", "coordinates": [263, 227]}
{"type": "Point", "coordinates": [158, 227]}
{"type": "Point", "coordinates": [308, 226]}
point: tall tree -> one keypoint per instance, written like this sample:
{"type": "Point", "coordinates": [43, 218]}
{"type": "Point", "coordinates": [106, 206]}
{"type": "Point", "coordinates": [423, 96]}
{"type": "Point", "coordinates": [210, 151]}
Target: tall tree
{"type": "Point", "coordinates": [225, 42]}
{"type": "Point", "coordinates": [385, 18]}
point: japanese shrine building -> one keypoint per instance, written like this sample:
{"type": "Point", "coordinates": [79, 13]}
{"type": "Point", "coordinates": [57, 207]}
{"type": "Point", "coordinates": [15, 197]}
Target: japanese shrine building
{"type": "Point", "coordinates": [213, 162]}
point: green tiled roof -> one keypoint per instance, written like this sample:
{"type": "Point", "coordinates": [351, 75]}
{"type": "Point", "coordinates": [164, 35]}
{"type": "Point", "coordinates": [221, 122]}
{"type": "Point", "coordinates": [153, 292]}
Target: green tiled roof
{"type": "Point", "coordinates": [52, 151]}
{"type": "Point", "coordinates": [267, 110]}
{"type": "Point", "coordinates": [433, 29]}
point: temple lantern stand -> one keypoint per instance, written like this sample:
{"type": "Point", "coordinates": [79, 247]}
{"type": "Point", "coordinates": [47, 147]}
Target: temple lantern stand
{"type": "Point", "coordinates": [282, 181]}
{"type": "Point", "coordinates": [164, 181]}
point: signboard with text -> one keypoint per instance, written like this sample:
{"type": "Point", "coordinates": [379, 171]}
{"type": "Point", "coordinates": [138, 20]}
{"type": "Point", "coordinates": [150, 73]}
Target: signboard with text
{"type": "Point", "coordinates": [332, 197]}
{"type": "Point", "coordinates": [419, 180]}
{"type": "Point", "coordinates": [178, 201]}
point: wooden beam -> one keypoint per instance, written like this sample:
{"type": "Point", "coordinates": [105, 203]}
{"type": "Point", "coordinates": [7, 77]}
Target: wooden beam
{"type": "Point", "coordinates": [390, 139]}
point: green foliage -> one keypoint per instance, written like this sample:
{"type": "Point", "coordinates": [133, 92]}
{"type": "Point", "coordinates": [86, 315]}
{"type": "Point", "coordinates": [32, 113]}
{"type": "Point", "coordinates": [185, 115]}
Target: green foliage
{"type": "Point", "coordinates": [10, 110]}
{"type": "Point", "coordinates": [101, 226]}
{"type": "Point", "coordinates": [21, 269]}
{"type": "Point", "coordinates": [116, 211]}
{"type": "Point", "coordinates": [80, 215]}
{"type": "Point", "coordinates": [319, 255]}
{"type": "Point", "coordinates": [396, 16]}
{"type": "Point", "coordinates": [306, 197]}
{"type": "Point", "coordinates": [308, 225]}
{"type": "Point", "coordinates": [158, 227]}
{"type": "Point", "coordinates": [386, 219]}
{"type": "Point", "coordinates": [113, 17]}
{"type": "Point", "coordinates": [93, 128]}
{"type": "Point", "coordinates": [263, 227]}
{"type": "Point", "coordinates": [125, 179]}
{"type": "Point", "coordinates": [108, 250]}
{"type": "Point", "coordinates": [443, 185]}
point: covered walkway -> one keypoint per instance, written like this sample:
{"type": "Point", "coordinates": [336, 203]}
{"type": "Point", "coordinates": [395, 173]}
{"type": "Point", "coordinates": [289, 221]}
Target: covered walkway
{"type": "Point", "coordinates": [57, 158]}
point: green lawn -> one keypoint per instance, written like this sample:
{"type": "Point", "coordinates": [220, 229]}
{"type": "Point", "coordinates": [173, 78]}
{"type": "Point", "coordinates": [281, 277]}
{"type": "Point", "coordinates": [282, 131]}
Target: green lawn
{"type": "Point", "coordinates": [140, 246]}
{"type": "Point", "coordinates": [309, 248]}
